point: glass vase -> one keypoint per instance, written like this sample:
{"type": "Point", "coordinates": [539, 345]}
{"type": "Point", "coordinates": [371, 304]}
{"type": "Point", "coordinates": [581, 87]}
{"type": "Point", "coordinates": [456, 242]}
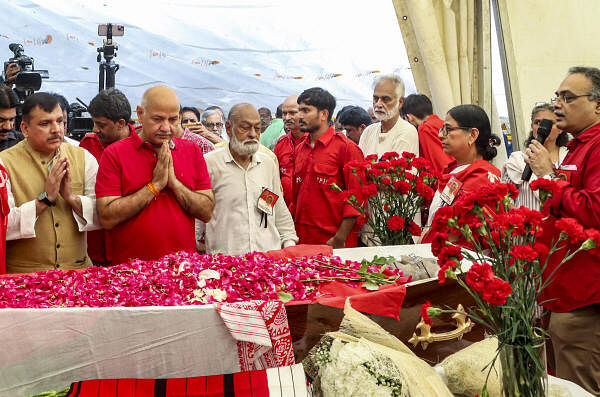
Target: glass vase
{"type": "Point", "coordinates": [524, 371]}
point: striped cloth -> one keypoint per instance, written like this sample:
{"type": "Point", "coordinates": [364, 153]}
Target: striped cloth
{"type": "Point", "coordinates": [512, 172]}
{"type": "Point", "coordinates": [272, 382]}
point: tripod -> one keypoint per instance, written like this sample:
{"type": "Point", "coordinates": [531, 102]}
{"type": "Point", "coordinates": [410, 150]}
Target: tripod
{"type": "Point", "coordinates": [107, 67]}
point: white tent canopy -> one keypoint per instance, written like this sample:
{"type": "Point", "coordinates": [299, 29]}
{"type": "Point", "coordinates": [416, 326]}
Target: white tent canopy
{"type": "Point", "coordinates": [213, 52]}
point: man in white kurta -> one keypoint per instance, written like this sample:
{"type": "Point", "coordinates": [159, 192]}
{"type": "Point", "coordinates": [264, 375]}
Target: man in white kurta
{"type": "Point", "coordinates": [391, 133]}
{"type": "Point", "coordinates": [240, 175]}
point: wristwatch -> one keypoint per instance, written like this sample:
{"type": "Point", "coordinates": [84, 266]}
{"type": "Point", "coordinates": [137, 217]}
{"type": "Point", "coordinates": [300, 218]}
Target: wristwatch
{"type": "Point", "coordinates": [43, 197]}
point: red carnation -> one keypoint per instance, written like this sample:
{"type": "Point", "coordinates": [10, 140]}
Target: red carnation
{"type": "Point", "coordinates": [524, 253]}
{"type": "Point", "coordinates": [497, 291]}
{"type": "Point", "coordinates": [450, 252]}
{"type": "Point", "coordinates": [386, 181]}
{"type": "Point", "coordinates": [594, 236]}
{"type": "Point", "coordinates": [370, 189]}
{"type": "Point", "coordinates": [371, 158]}
{"type": "Point", "coordinates": [479, 276]}
{"type": "Point", "coordinates": [425, 191]}
{"type": "Point", "coordinates": [396, 223]}
{"type": "Point", "coordinates": [414, 229]}
{"type": "Point", "coordinates": [425, 314]}
{"type": "Point", "coordinates": [438, 242]}
{"type": "Point", "coordinates": [544, 184]}
{"type": "Point", "coordinates": [408, 155]}
{"type": "Point", "coordinates": [404, 187]}
{"type": "Point", "coordinates": [444, 267]}
{"type": "Point", "coordinates": [571, 228]}
{"type": "Point", "coordinates": [389, 155]}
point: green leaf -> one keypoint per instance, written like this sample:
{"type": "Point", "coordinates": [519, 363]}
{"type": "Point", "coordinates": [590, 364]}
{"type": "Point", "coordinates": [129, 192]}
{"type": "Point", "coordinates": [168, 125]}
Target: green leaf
{"type": "Point", "coordinates": [285, 296]}
{"type": "Point", "coordinates": [370, 285]}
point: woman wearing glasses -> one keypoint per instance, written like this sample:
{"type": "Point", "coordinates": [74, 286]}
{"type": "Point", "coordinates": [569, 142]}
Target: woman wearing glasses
{"type": "Point", "coordinates": [556, 143]}
{"type": "Point", "coordinates": [466, 136]}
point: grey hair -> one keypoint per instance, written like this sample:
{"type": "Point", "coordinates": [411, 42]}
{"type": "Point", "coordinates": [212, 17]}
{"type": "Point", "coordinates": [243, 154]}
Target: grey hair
{"type": "Point", "coordinates": [207, 113]}
{"type": "Point", "coordinates": [395, 79]}
{"type": "Point", "coordinates": [539, 107]}
{"type": "Point", "coordinates": [591, 73]}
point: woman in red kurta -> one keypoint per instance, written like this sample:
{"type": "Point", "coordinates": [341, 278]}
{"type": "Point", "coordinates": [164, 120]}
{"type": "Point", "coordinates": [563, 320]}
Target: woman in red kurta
{"type": "Point", "coordinates": [466, 136]}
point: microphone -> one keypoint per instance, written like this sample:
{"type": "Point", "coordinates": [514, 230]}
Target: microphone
{"type": "Point", "coordinates": [542, 134]}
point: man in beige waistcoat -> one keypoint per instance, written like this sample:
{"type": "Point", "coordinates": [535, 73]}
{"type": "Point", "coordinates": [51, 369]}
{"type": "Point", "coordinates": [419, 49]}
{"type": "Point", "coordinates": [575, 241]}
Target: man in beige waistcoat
{"type": "Point", "coordinates": [50, 193]}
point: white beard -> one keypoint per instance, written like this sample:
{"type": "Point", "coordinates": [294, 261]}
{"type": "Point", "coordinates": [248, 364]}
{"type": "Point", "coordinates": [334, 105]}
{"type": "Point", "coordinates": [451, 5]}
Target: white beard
{"type": "Point", "coordinates": [245, 148]}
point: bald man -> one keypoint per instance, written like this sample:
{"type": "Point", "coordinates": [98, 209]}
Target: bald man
{"type": "Point", "coordinates": [286, 145]}
{"type": "Point", "coordinates": [152, 185]}
{"type": "Point", "coordinates": [250, 214]}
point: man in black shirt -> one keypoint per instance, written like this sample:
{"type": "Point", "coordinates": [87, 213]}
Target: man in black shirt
{"type": "Point", "coordinates": [8, 111]}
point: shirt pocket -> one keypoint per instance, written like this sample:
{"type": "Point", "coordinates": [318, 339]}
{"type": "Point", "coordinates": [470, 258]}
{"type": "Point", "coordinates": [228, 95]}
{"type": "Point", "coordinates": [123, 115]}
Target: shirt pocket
{"type": "Point", "coordinates": [325, 175]}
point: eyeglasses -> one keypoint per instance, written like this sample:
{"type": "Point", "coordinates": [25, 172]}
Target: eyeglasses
{"type": "Point", "coordinates": [445, 130]}
{"type": "Point", "coordinates": [564, 98]}
{"type": "Point", "coordinates": [213, 125]}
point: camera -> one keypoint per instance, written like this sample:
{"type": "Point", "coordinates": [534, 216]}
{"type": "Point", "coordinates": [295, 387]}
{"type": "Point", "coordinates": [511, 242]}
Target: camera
{"type": "Point", "coordinates": [77, 124]}
{"type": "Point", "coordinates": [28, 80]}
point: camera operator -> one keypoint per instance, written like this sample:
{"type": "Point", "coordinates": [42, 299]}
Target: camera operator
{"type": "Point", "coordinates": [8, 111]}
{"type": "Point", "coordinates": [12, 69]}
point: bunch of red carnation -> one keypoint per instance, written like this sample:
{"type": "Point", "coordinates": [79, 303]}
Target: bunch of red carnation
{"type": "Point", "coordinates": [507, 272]}
{"type": "Point", "coordinates": [395, 187]}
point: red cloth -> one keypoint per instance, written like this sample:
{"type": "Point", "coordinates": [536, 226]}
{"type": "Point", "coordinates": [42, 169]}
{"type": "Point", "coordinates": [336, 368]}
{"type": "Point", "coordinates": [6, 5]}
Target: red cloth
{"type": "Point", "coordinates": [301, 250]}
{"type": "Point", "coordinates": [4, 210]}
{"type": "Point", "coordinates": [477, 174]}
{"type": "Point", "coordinates": [577, 282]}
{"type": "Point", "coordinates": [284, 150]}
{"type": "Point", "coordinates": [163, 226]}
{"type": "Point", "coordinates": [243, 384]}
{"type": "Point", "coordinates": [97, 240]}
{"type": "Point", "coordinates": [320, 209]}
{"type": "Point", "coordinates": [386, 301]}
{"type": "Point", "coordinates": [430, 145]}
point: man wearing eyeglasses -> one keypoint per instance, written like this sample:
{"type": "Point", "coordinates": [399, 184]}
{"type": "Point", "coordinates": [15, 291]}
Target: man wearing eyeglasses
{"type": "Point", "coordinates": [574, 295]}
{"type": "Point", "coordinates": [213, 121]}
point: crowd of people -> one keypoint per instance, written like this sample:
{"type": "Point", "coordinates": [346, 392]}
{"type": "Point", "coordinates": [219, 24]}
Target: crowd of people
{"type": "Point", "coordinates": [197, 179]}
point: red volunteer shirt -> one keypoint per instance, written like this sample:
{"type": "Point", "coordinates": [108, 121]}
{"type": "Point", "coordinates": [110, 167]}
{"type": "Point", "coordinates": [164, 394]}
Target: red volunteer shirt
{"type": "Point", "coordinates": [430, 145]}
{"type": "Point", "coordinates": [4, 210]}
{"type": "Point", "coordinates": [97, 240]}
{"type": "Point", "coordinates": [163, 226]}
{"type": "Point", "coordinates": [284, 150]}
{"type": "Point", "coordinates": [319, 208]}
{"type": "Point", "coordinates": [577, 282]}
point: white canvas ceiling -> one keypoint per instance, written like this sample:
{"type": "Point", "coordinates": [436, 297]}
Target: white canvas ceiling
{"type": "Point", "coordinates": [213, 52]}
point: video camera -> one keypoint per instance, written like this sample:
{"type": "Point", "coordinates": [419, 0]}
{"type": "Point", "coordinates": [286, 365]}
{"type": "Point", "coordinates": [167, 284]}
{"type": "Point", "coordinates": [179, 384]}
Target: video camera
{"type": "Point", "coordinates": [77, 124]}
{"type": "Point", "coordinates": [28, 80]}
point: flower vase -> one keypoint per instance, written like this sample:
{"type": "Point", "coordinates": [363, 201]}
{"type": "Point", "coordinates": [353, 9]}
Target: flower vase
{"type": "Point", "coordinates": [524, 371]}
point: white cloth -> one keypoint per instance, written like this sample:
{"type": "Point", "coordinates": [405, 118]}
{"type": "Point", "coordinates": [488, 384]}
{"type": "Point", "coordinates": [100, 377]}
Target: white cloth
{"type": "Point", "coordinates": [71, 141]}
{"type": "Point", "coordinates": [21, 220]}
{"type": "Point", "coordinates": [237, 226]}
{"type": "Point", "coordinates": [403, 137]}
{"type": "Point", "coordinates": [512, 172]}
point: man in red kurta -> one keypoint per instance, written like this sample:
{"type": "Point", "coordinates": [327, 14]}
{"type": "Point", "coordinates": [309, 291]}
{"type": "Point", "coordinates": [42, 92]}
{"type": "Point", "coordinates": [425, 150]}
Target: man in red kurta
{"type": "Point", "coordinates": [151, 186]}
{"type": "Point", "coordinates": [574, 295]}
{"type": "Point", "coordinates": [321, 215]}
{"type": "Point", "coordinates": [418, 111]}
{"type": "Point", "coordinates": [111, 112]}
{"type": "Point", "coordinates": [286, 146]}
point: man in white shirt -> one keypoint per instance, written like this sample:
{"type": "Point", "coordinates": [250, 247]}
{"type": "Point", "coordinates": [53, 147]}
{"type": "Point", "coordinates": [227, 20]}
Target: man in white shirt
{"type": "Point", "coordinates": [391, 133]}
{"type": "Point", "coordinates": [50, 193]}
{"type": "Point", "coordinates": [250, 213]}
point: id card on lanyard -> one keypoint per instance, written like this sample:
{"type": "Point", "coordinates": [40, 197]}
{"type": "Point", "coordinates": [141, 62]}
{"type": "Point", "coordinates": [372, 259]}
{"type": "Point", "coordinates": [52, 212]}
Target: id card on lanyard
{"type": "Point", "coordinates": [266, 203]}
{"type": "Point", "coordinates": [451, 190]}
